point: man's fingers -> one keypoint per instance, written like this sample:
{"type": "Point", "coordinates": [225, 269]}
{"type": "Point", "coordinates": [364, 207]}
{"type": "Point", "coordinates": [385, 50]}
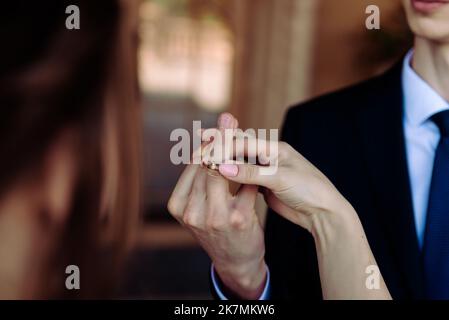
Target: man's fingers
{"type": "Point", "coordinates": [217, 186]}
{"type": "Point", "coordinates": [180, 194]}
{"type": "Point", "coordinates": [193, 214]}
{"type": "Point", "coordinates": [199, 184]}
{"type": "Point", "coordinates": [217, 189]}
{"type": "Point", "coordinates": [218, 149]}
{"type": "Point", "coordinates": [195, 186]}
{"type": "Point", "coordinates": [185, 182]}
{"type": "Point", "coordinates": [227, 121]}
{"type": "Point", "coordinates": [246, 196]}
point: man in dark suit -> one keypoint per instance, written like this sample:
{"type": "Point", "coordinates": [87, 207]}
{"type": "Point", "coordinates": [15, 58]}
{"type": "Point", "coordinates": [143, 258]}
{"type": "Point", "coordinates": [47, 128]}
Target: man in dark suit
{"type": "Point", "coordinates": [384, 144]}
{"type": "Point", "coordinates": [355, 137]}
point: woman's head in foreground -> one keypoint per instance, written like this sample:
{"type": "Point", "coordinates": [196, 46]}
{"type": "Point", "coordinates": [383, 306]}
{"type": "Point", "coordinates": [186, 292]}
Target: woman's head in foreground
{"type": "Point", "coordinates": [68, 146]}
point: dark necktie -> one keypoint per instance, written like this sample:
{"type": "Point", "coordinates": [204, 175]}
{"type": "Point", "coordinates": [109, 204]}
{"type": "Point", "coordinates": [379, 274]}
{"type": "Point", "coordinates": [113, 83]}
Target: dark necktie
{"type": "Point", "coordinates": [436, 239]}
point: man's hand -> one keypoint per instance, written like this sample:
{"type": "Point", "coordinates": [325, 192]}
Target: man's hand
{"type": "Point", "coordinates": [225, 225]}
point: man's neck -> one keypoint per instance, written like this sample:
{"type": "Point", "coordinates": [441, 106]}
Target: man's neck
{"type": "Point", "coordinates": [431, 62]}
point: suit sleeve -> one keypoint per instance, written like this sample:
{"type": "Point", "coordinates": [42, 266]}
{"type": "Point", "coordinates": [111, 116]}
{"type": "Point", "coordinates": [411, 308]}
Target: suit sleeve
{"type": "Point", "coordinates": [290, 250]}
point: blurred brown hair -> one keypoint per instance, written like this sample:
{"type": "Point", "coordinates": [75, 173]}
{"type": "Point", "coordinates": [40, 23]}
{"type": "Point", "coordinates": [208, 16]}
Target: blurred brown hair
{"type": "Point", "coordinates": [51, 79]}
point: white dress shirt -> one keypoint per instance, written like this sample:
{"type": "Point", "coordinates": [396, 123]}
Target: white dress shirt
{"type": "Point", "coordinates": [422, 136]}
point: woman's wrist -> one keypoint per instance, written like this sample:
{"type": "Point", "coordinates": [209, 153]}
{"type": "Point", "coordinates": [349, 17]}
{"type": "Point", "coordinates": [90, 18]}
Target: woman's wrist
{"type": "Point", "coordinates": [329, 224]}
{"type": "Point", "coordinates": [343, 254]}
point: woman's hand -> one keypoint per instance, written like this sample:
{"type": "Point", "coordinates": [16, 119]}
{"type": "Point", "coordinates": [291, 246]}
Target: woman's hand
{"type": "Point", "coordinates": [293, 186]}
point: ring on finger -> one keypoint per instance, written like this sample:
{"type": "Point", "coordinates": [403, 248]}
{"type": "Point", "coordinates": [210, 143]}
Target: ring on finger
{"type": "Point", "coordinates": [212, 165]}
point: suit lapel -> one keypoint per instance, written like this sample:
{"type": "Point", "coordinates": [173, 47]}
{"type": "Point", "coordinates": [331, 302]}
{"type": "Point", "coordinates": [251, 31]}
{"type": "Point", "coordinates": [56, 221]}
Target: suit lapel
{"type": "Point", "coordinates": [381, 126]}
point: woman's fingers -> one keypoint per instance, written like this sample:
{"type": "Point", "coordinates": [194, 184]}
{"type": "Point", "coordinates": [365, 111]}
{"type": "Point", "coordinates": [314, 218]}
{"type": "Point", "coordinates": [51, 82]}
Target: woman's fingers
{"type": "Point", "coordinates": [249, 174]}
{"type": "Point", "coordinates": [255, 150]}
{"type": "Point", "coordinates": [226, 146]}
{"type": "Point", "coordinates": [274, 203]}
{"type": "Point", "coordinates": [288, 213]}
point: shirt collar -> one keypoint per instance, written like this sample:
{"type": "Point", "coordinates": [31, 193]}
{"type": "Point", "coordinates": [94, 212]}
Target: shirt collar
{"type": "Point", "coordinates": [421, 101]}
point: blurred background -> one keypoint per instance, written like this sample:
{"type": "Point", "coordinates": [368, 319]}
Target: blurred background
{"type": "Point", "coordinates": [254, 58]}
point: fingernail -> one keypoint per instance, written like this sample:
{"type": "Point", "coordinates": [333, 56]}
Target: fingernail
{"type": "Point", "coordinates": [229, 170]}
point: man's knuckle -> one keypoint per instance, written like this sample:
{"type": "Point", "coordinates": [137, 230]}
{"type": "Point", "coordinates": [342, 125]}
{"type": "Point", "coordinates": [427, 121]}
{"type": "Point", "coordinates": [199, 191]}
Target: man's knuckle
{"type": "Point", "coordinates": [283, 179]}
{"type": "Point", "coordinates": [283, 150]}
{"type": "Point", "coordinates": [172, 206]}
{"type": "Point", "coordinates": [189, 218]}
{"type": "Point", "coordinates": [215, 225]}
{"type": "Point", "coordinates": [237, 221]}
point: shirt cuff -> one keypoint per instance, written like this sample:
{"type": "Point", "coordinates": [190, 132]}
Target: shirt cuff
{"type": "Point", "coordinates": [264, 296]}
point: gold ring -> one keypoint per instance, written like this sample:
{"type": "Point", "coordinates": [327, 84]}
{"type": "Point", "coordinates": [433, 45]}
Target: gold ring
{"type": "Point", "coordinates": [212, 166]}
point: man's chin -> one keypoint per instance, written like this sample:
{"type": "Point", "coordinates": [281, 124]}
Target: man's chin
{"type": "Point", "coordinates": [430, 29]}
